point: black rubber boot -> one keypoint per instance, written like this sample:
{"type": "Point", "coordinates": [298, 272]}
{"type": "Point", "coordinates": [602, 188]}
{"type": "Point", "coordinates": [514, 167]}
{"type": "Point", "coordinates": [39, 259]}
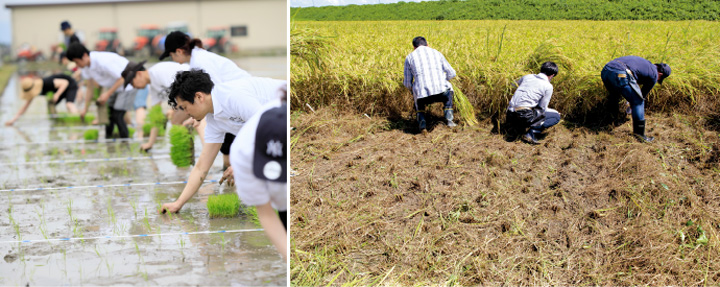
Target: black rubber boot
{"type": "Point", "coordinates": [529, 137]}
{"type": "Point", "coordinates": [449, 117]}
{"type": "Point", "coordinates": [639, 132]}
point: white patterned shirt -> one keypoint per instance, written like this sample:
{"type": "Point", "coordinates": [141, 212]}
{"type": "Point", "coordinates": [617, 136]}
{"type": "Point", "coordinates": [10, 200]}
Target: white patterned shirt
{"type": "Point", "coordinates": [427, 72]}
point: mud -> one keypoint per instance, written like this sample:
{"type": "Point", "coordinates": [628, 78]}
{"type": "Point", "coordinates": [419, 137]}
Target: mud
{"type": "Point", "coordinates": [373, 201]}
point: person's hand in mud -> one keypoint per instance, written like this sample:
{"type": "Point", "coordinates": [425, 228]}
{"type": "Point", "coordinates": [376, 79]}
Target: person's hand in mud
{"type": "Point", "coordinates": [189, 122]}
{"type": "Point", "coordinates": [228, 175]}
{"type": "Point", "coordinates": [173, 207]}
{"type": "Point", "coordinates": [146, 147]}
{"type": "Point", "coordinates": [9, 123]}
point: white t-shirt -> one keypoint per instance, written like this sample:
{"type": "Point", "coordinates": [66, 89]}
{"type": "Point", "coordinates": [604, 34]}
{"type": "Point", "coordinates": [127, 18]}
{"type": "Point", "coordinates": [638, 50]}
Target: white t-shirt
{"type": "Point", "coordinates": [105, 68]}
{"type": "Point", "coordinates": [250, 189]}
{"type": "Point", "coordinates": [162, 76]}
{"type": "Point", "coordinates": [221, 69]}
{"type": "Point", "coordinates": [234, 102]}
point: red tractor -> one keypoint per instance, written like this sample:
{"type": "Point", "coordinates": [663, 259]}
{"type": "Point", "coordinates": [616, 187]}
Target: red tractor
{"type": "Point", "coordinates": [108, 41]}
{"type": "Point", "coordinates": [147, 41]}
{"type": "Point", "coordinates": [26, 52]}
{"type": "Point", "coordinates": [217, 40]}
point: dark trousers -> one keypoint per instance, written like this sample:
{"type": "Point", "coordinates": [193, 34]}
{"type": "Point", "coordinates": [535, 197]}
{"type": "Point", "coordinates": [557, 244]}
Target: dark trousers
{"type": "Point", "coordinates": [283, 218]}
{"type": "Point", "coordinates": [444, 97]}
{"type": "Point", "coordinates": [227, 142]}
{"type": "Point", "coordinates": [117, 118]}
{"type": "Point", "coordinates": [618, 83]}
{"type": "Point", "coordinates": [533, 119]}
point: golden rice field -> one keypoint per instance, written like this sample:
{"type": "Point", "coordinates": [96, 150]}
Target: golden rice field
{"type": "Point", "coordinates": [362, 66]}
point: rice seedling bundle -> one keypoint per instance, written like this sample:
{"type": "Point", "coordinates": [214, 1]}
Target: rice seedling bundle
{"type": "Point", "coordinates": [67, 118]}
{"type": "Point", "coordinates": [181, 146]}
{"type": "Point", "coordinates": [91, 135]}
{"type": "Point", "coordinates": [223, 205]}
{"type": "Point", "coordinates": [155, 118]}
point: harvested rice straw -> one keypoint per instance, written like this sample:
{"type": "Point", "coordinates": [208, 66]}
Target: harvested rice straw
{"type": "Point", "coordinates": [464, 107]}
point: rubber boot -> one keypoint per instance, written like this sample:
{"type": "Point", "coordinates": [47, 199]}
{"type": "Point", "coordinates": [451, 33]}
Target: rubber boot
{"type": "Point", "coordinates": [421, 121]}
{"type": "Point", "coordinates": [639, 132]}
{"type": "Point", "coordinates": [529, 137]}
{"type": "Point", "coordinates": [449, 117]}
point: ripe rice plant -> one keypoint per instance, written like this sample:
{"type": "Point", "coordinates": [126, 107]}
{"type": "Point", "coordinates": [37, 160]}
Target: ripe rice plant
{"type": "Point", "coordinates": [489, 56]}
{"type": "Point", "coordinates": [223, 205]}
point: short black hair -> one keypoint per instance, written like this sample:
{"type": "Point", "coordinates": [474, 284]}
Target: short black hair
{"type": "Point", "coordinates": [549, 69]}
{"type": "Point", "coordinates": [186, 84]}
{"type": "Point", "coordinates": [76, 51]}
{"type": "Point", "coordinates": [419, 41]}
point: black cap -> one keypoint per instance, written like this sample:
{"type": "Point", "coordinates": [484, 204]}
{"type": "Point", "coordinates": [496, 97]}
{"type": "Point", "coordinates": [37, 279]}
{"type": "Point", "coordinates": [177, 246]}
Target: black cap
{"type": "Point", "coordinates": [130, 70]}
{"type": "Point", "coordinates": [64, 25]}
{"type": "Point", "coordinates": [270, 156]}
{"type": "Point", "coordinates": [664, 69]}
{"type": "Point", "coordinates": [173, 41]}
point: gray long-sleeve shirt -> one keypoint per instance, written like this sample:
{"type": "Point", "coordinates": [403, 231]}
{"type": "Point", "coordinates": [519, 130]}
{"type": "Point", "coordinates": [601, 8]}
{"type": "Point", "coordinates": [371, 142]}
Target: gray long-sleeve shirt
{"type": "Point", "coordinates": [427, 72]}
{"type": "Point", "coordinates": [533, 90]}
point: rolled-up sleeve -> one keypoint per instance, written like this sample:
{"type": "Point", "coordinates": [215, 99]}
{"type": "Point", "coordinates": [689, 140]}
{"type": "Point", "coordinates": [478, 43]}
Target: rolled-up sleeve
{"type": "Point", "coordinates": [408, 79]}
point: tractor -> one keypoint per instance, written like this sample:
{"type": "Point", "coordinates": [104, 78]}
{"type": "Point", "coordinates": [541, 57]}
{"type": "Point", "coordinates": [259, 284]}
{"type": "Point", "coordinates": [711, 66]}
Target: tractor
{"type": "Point", "coordinates": [147, 41]}
{"type": "Point", "coordinates": [108, 41]}
{"type": "Point", "coordinates": [217, 40]}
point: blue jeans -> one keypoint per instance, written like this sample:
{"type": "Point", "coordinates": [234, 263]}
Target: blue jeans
{"type": "Point", "coordinates": [141, 98]}
{"type": "Point", "coordinates": [618, 82]}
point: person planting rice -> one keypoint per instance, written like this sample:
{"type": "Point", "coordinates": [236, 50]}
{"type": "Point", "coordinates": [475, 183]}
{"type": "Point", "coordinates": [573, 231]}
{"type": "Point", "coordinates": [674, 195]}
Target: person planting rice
{"type": "Point", "coordinates": [105, 69]}
{"type": "Point", "coordinates": [160, 76]}
{"type": "Point", "coordinates": [528, 110]}
{"type": "Point", "coordinates": [62, 86]}
{"type": "Point", "coordinates": [182, 49]}
{"type": "Point", "coordinates": [260, 164]}
{"type": "Point", "coordinates": [625, 76]}
{"type": "Point", "coordinates": [226, 107]}
{"type": "Point", "coordinates": [427, 75]}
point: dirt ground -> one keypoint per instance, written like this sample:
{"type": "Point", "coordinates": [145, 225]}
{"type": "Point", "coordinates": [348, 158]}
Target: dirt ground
{"type": "Point", "coordinates": [373, 202]}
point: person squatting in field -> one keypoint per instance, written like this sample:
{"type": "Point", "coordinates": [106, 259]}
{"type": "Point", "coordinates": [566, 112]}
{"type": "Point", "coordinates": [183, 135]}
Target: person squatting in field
{"type": "Point", "coordinates": [182, 49]}
{"type": "Point", "coordinates": [105, 69]}
{"type": "Point", "coordinates": [62, 86]}
{"type": "Point", "coordinates": [528, 108]}
{"type": "Point", "coordinates": [624, 76]}
{"type": "Point", "coordinates": [427, 74]}
{"type": "Point", "coordinates": [225, 107]}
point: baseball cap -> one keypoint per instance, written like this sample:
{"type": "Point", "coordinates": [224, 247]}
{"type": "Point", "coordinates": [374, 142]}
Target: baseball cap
{"type": "Point", "coordinates": [64, 25]}
{"type": "Point", "coordinates": [130, 70]}
{"type": "Point", "coordinates": [270, 155]}
{"type": "Point", "coordinates": [173, 41]}
{"type": "Point", "coordinates": [664, 69]}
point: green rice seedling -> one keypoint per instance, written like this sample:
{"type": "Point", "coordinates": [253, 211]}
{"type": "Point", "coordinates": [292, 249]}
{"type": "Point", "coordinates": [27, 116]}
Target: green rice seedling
{"type": "Point", "coordinates": [251, 212]}
{"type": "Point", "coordinates": [156, 119]}
{"type": "Point", "coordinates": [131, 131]}
{"type": "Point", "coordinates": [91, 135]}
{"type": "Point", "coordinates": [181, 149]}
{"type": "Point", "coordinates": [133, 204]}
{"type": "Point", "coordinates": [223, 205]}
{"type": "Point", "coordinates": [146, 221]}
{"type": "Point", "coordinates": [66, 118]}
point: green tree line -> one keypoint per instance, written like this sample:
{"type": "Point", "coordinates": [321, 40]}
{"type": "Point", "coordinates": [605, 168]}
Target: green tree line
{"type": "Point", "coordinates": [666, 10]}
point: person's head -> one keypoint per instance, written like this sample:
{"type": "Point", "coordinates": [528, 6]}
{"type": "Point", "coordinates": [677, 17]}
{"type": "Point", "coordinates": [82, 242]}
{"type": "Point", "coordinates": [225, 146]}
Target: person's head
{"type": "Point", "coordinates": [419, 41]}
{"type": "Point", "coordinates": [178, 46]}
{"type": "Point", "coordinates": [78, 54]}
{"type": "Point", "coordinates": [66, 28]}
{"type": "Point", "coordinates": [190, 92]}
{"type": "Point", "coordinates": [31, 87]}
{"type": "Point", "coordinates": [550, 69]}
{"type": "Point", "coordinates": [663, 71]}
{"type": "Point", "coordinates": [133, 74]}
